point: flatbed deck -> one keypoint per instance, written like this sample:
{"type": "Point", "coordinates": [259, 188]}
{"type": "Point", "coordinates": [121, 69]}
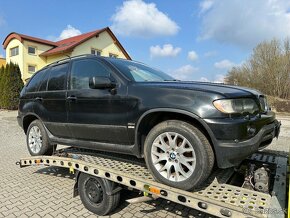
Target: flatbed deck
{"type": "Point", "coordinates": [215, 197]}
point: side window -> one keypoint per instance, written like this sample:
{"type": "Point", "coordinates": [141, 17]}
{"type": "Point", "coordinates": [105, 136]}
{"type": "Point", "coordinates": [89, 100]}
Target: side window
{"type": "Point", "coordinates": [35, 81]}
{"type": "Point", "coordinates": [57, 77]}
{"type": "Point", "coordinates": [82, 70]}
{"type": "Point", "coordinates": [44, 81]}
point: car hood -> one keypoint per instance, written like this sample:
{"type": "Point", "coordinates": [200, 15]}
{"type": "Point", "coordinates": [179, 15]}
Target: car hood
{"type": "Point", "coordinates": [222, 89]}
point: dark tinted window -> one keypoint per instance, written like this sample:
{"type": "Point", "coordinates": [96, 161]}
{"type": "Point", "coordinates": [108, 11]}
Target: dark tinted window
{"type": "Point", "coordinates": [57, 77]}
{"type": "Point", "coordinates": [82, 70]}
{"type": "Point", "coordinates": [35, 81]}
{"type": "Point", "coordinates": [31, 50]}
{"type": "Point", "coordinates": [44, 81]}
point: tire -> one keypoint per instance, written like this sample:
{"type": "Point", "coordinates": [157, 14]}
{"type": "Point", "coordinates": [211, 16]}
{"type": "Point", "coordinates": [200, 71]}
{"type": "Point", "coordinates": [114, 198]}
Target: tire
{"type": "Point", "coordinates": [173, 163]}
{"type": "Point", "coordinates": [37, 140]}
{"type": "Point", "coordinates": [94, 194]}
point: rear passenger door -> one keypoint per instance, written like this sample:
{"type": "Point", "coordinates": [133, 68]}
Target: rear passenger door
{"type": "Point", "coordinates": [29, 101]}
{"type": "Point", "coordinates": [53, 92]}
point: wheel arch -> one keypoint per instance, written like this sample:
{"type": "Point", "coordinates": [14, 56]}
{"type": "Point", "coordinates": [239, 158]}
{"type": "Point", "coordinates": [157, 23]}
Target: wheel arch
{"type": "Point", "coordinates": [27, 119]}
{"type": "Point", "coordinates": [154, 116]}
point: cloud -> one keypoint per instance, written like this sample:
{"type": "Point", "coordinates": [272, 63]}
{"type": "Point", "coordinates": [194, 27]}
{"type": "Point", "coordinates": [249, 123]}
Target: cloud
{"type": "Point", "coordinates": [166, 51]}
{"type": "Point", "coordinates": [245, 23]}
{"type": "Point", "coordinates": [210, 54]}
{"type": "Point", "coordinates": [68, 32]}
{"type": "Point", "coordinates": [205, 6]}
{"type": "Point", "coordinates": [219, 78]}
{"type": "Point", "coordinates": [192, 55]}
{"type": "Point", "coordinates": [137, 18]}
{"type": "Point", "coordinates": [224, 64]}
{"type": "Point", "coordinates": [185, 72]}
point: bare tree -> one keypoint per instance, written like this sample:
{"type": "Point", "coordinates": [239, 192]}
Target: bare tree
{"type": "Point", "coordinates": [268, 69]}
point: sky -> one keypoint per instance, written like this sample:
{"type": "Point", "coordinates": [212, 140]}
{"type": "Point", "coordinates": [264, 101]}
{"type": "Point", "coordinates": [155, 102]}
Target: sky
{"type": "Point", "coordinates": [188, 39]}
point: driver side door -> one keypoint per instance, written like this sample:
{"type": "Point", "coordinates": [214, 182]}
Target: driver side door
{"type": "Point", "coordinates": [95, 114]}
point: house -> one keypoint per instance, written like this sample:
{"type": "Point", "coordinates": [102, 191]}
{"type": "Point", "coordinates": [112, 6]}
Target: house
{"type": "Point", "coordinates": [2, 62]}
{"type": "Point", "coordinates": [32, 54]}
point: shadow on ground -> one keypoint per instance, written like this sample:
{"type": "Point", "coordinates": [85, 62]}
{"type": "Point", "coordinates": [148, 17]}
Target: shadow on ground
{"type": "Point", "coordinates": [56, 171]}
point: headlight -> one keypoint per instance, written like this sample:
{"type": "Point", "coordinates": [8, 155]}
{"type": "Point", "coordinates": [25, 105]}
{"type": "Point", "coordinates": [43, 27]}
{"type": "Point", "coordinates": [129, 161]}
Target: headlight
{"type": "Point", "coordinates": [263, 103]}
{"type": "Point", "coordinates": [232, 106]}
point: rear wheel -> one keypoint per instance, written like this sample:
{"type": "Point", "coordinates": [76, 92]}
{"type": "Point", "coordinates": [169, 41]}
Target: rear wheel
{"type": "Point", "coordinates": [96, 194]}
{"type": "Point", "coordinates": [37, 140]}
{"type": "Point", "coordinates": [178, 154]}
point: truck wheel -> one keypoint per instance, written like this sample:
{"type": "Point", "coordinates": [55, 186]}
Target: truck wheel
{"type": "Point", "coordinates": [37, 140]}
{"type": "Point", "coordinates": [178, 154]}
{"type": "Point", "coordinates": [96, 194]}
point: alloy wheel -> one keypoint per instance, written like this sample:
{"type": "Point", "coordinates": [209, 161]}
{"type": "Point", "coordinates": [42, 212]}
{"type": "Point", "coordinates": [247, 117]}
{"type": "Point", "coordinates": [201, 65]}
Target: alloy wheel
{"type": "Point", "coordinates": [35, 139]}
{"type": "Point", "coordinates": [173, 156]}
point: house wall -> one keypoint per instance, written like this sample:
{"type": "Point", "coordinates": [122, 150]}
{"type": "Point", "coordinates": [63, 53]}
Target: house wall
{"type": "Point", "coordinates": [57, 57]}
{"type": "Point", "coordinates": [23, 59]}
{"type": "Point", "coordinates": [103, 42]}
{"type": "Point", "coordinates": [30, 59]}
{"type": "Point", "coordinates": [18, 59]}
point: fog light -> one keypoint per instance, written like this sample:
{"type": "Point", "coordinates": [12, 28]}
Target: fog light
{"type": "Point", "coordinates": [251, 130]}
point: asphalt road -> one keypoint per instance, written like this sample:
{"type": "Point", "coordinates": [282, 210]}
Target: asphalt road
{"type": "Point", "coordinates": [47, 191]}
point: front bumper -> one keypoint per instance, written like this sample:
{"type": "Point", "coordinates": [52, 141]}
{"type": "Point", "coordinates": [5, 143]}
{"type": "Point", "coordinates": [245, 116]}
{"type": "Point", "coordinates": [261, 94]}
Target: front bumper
{"type": "Point", "coordinates": [231, 152]}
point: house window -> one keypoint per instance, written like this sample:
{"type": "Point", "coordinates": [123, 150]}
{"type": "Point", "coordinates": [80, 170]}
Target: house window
{"type": "Point", "coordinates": [14, 51]}
{"type": "Point", "coordinates": [113, 55]}
{"type": "Point", "coordinates": [96, 52]}
{"type": "Point", "coordinates": [31, 50]}
{"type": "Point", "coordinates": [31, 69]}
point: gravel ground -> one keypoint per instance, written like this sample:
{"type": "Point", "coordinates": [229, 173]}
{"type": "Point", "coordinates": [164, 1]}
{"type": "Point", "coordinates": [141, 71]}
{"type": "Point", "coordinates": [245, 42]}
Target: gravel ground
{"type": "Point", "coordinates": [47, 191]}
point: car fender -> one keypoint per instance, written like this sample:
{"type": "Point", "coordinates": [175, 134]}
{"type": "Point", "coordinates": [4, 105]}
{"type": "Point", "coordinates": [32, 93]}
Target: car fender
{"type": "Point", "coordinates": [180, 111]}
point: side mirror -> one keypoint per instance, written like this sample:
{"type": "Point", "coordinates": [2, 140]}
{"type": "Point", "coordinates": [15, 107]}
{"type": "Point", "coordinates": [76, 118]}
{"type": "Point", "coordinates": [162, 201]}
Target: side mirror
{"type": "Point", "coordinates": [101, 82]}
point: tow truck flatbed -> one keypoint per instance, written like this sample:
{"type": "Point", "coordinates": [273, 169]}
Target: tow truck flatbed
{"type": "Point", "coordinates": [216, 197]}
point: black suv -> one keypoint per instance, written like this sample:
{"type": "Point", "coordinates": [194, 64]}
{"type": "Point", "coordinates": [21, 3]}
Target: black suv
{"type": "Point", "coordinates": [181, 128]}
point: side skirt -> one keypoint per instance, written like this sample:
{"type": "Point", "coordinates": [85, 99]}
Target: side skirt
{"type": "Point", "coordinates": [101, 146]}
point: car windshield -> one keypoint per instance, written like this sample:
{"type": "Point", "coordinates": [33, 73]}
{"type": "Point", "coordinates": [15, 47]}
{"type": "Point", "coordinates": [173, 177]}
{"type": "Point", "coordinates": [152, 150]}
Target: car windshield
{"type": "Point", "coordinates": [139, 72]}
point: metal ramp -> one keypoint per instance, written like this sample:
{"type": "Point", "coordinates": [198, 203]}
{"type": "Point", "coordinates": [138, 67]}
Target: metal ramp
{"type": "Point", "coordinates": [215, 197]}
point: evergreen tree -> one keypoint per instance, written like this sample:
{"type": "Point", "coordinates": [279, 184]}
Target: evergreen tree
{"type": "Point", "coordinates": [2, 69]}
{"type": "Point", "coordinates": [4, 94]}
{"type": "Point", "coordinates": [11, 84]}
{"type": "Point", "coordinates": [16, 85]}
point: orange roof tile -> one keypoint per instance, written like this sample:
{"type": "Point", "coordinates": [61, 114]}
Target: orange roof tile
{"type": "Point", "coordinates": [68, 44]}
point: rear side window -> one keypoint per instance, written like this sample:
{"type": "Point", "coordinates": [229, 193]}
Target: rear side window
{"type": "Point", "coordinates": [82, 70]}
{"type": "Point", "coordinates": [35, 81]}
{"type": "Point", "coordinates": [57, 78]}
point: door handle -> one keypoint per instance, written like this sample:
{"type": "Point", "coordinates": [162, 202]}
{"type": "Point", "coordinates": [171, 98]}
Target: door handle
{"type": "Point", "coordinates": [71, 98]}
{"type": "Point", "coordinates": [38, 99]}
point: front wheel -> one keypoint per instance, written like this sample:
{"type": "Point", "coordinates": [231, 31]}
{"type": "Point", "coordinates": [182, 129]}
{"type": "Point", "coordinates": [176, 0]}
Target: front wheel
{"type": "Point", "coordinates": [178, 154]}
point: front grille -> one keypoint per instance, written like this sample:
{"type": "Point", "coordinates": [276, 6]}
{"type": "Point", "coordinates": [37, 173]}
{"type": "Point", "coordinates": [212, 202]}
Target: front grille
{"type": "Point", "coordinates": [263, 103]}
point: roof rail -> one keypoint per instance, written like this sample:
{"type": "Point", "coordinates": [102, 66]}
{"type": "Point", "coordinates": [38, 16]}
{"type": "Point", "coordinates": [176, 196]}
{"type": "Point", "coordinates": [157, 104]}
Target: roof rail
{"type": "Point", "coordinates": [70, 58]}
